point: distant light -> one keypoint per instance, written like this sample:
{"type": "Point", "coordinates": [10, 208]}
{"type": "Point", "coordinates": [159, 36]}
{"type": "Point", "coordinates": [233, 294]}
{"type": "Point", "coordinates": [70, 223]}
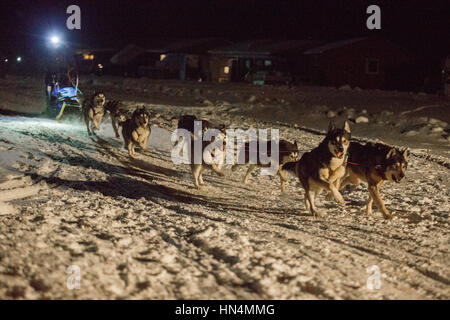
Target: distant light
{"type": "Point", "coordinates": [88, 56]}
{"type": "Point", "coordinates": [162, 57]}
{"type": "Point", "coordinates": [6, 60]}
{"type": "Point", "coordinates": [54, 40]}
{"type": "Point", "coordinates": [19, 59]}
{"type": "Point", "coordinates": [226, 70]}
{"type": "Point", "coordinates": [100, 66]}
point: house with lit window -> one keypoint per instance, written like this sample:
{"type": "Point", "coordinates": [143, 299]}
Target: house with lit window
{"type": "Point", "coordinates": [365, 62]}
{"type": "Point", "coordinates": [93, 60]}
{"type": "Point", "coordinates": [186, 59]}
{"type": "Point", "coordinates": [260, 61]}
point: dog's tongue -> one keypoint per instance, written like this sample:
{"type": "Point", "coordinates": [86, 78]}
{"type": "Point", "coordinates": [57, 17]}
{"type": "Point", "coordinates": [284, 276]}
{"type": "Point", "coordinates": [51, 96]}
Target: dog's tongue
{"type": "Point", "coordinates": [339, 154]}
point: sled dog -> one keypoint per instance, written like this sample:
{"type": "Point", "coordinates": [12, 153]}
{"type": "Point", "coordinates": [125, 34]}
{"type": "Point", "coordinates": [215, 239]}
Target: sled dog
{"type": "Point", "coordinates": [136, 131]}
{"type": "Point", "coordinates": [323, 167]}
{"type": "Point", "coordinates": [118, 114]}
{"type": "Point", "coordinates": [375, 164]}
{"type": "Point", "coordinates": [93, 111]}
{"type": "Point", "coordinates": [287, 152]}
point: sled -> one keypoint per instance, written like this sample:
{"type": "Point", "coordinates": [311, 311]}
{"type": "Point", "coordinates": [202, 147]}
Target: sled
{"type": "Point", "coordinates": [63, 101]}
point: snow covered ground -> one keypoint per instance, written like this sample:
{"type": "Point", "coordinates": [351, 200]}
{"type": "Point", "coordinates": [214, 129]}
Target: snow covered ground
{"type": "Point", "coordinates": [138, 229]}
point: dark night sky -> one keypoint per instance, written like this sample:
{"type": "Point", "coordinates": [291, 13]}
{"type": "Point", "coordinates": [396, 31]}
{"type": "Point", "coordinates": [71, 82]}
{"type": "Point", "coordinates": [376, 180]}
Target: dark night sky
{"type": "Point", "coordinates": [422, 26]}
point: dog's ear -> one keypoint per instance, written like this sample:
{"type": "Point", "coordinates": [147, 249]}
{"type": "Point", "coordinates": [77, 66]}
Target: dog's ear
{"type": "Point", "coordinates": [391, 153]}
{"type": "Point", "coordinates": [331, 126]}
{"type": "Point", "coordinates": [405, 153]}
{"type": "Point", "coordinates": [346, 127]}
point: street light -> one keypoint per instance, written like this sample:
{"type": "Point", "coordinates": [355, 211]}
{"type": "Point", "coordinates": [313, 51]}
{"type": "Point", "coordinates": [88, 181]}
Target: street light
{"type": "Point", "coordinates": [19, 59]}
{"type": "Point", "coordinates": [55, 40]}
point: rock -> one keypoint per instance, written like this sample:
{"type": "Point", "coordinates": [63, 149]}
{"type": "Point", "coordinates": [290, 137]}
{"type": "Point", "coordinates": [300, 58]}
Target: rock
{"type": "Point", "coordinates": [345, 87]}
{"type": "Point", "coordinates": [207, 102]}
{"type": "Point", "coordinates": [331, 114]}
{"type": "Point", "coordinates": [251, 99]}
{"type": "Point", "coordinates": [437, 122]}
{"type": "Point", "coordinates": [437, 130]}
{"type": "Point", "coordinates": [362, 119]}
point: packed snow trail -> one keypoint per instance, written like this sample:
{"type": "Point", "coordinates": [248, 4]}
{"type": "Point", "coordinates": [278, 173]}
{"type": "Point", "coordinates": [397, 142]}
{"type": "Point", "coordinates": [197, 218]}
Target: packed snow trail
{"type": "Point", "coordinates": [138, 228]}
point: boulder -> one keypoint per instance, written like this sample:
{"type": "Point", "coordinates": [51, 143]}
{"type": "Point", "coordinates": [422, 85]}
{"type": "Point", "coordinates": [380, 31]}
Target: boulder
{"type": "Point", "coordinates": [251, 99]}
{"type": "Point", "coordinates": [331, 114]}
{"type": "Point", "coordinates": [362, 119]}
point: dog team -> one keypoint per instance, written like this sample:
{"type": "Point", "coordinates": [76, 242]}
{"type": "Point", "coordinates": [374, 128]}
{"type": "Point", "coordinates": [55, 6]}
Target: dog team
{"type": "Point", "coordinates": [333, 164]}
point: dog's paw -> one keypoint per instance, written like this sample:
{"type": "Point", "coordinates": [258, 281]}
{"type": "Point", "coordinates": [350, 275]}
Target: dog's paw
{"type": "Point", "coordinates": [319, 214]}
{"type": "Point", "coordinates": [340, 200]}
{"type": "Point", "coordinates": [387, 216]}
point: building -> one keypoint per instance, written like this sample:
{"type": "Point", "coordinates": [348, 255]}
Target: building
{"type": "Point", "coordinates": [260, 61]}
{"type": "Point", "coordinates": [93, 60]}
{"type": "Point", "coordinates": [366, 62]}
{"type": "Point", "coordinates": [171, 59]}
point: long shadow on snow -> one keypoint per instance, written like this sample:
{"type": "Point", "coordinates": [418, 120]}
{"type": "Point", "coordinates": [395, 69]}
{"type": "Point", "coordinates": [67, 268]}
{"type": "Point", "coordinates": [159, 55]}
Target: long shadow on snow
{"type": "Point", "coordinates": [118, 184]}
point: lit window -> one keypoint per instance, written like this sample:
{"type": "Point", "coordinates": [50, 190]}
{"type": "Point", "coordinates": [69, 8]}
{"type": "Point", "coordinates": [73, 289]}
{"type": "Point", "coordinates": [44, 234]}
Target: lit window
{"type": "Point", "coordinates": [226, 70]}
{"type": "Point", "coordinates": [91, 57]}
{"type": "Point", "coordinates": [162, 57]}
{"type": "Point", "coordinates": [372, 66]}
{"type": "Point", "coordinates": [267, 63]}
